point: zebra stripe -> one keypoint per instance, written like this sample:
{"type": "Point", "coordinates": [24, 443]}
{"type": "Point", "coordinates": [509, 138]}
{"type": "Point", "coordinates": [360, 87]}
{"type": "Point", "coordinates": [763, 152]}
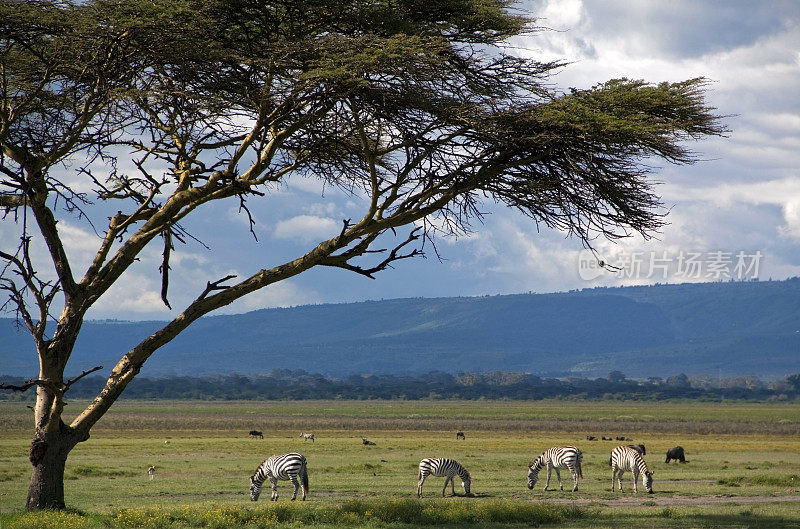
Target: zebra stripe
{"type": "Point", "coordinates": [442, 466]}
{"type": "Point", "coordinates": [556, 458]}
{"type": "Point", "coordinates": [286, 467]}
{"type": "Point", "coordinates": [625, 458]}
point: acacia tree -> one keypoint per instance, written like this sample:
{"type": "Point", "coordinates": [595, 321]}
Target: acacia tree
{"type": "Point", "coordinates": [411, 106]}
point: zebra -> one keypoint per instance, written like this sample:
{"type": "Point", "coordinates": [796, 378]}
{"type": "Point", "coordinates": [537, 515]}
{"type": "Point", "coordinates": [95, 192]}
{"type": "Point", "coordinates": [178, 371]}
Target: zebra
{"type": "Point", "coordinates": [556, 458]}
{"type": "Point", "coordinates": [287, 467]}
{"type": "Point", "coordinates": [625, 458]}
{"type": "Point", "coordinates": [307, 437]}
{"type": "Point", "coordinates": [442, 466]}
{"type": "Point", "coordinates": [460, 435]}
{"type": "Point", "coordinates": [151, 472]}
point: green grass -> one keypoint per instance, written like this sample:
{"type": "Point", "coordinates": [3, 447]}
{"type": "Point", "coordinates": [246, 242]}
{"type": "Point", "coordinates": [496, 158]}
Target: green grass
{"type": "Point", "coordinates": [204, 457]}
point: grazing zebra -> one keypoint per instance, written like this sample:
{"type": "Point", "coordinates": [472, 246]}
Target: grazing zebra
{"type": "Point", "coordinates": [625, 458]}
{"type": "Point", "coordinates": [256, 433]}
{"type": "Point", "coordinates": [556, 458]}
{"type": "Point", "coordinates": [286, 467]}
{"type": "Point", "coordinates": [442, 466]}
{"type": "Point", "coordinates": [307, 436]}
{"type": "Point", "coordinates": [151, 472]}
{"type": "Point", "coordinates": [460, 435]}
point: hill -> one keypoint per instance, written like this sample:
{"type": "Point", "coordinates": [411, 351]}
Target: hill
{"type": "Point", "coordinates": [723, 329]}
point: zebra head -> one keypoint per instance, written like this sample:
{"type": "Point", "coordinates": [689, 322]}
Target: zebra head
{"type": "Point", "coordinates": [255, 489]}
{"type": "Point", "coordinates": [533, 472]}
{"type": "Point", "coordinates": [466, 481]}
{"type": "Point", "coordinates": [647, 481]}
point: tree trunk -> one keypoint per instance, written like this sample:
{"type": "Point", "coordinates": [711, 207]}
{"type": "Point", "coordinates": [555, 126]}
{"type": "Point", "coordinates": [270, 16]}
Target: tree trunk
{"type": "Point", "coordinates": [49, 456]}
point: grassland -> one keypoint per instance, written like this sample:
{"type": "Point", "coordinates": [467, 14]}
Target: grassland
{"type": "Point", "coordinates": [744, 468]}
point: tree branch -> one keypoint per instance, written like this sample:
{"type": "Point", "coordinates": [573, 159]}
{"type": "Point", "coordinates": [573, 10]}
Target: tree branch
{"type": "Point", "coordinates": [342, 260]}
{"type": "Point", "coordinates": [49, 384]}
{"type": "Point", "coordinates": [164, 268]}
{"type": "Point", "coordinates": [211, 286]}
{"type": "Point", "coordinates": [87, 372]}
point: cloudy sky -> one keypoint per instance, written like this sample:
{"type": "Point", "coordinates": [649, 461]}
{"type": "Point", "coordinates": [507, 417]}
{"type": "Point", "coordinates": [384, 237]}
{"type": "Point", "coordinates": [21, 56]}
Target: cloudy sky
{"type": "Point", "coordinates": [735, 215]}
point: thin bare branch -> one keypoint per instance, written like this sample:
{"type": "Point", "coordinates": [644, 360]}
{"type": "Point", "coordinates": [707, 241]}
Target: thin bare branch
{"type": "Point", "coordinates": [212, 286]}
{"type": "Point", "coordinates": [164, 268]}
{"type": "Point", "coordinates": [71, 381]}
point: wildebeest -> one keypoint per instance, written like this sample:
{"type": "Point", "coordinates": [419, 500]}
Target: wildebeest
{"type": "Point", "coordinates": [256, 433]}
{"type": "Point", "coordinates": [639, 448]}
{"type": "Point", "coordinates": [677, 454]}
{"type": "Point", "coordinates": [607, 438]}
{"type": "Point", "coordinates": [367, 442]}
{"type": "Point", "coordinates": [591, 438]}
{"type": "Point", "coordinates": [460, 435]}
{"type": "Point", "coordinates": [623, 438]}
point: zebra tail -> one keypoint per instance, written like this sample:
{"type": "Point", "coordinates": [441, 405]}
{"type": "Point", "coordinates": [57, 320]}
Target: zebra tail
{"type": "Point", "coordinates": [304, 472]}
{"type": "Point", "coordinates": [580, 469]}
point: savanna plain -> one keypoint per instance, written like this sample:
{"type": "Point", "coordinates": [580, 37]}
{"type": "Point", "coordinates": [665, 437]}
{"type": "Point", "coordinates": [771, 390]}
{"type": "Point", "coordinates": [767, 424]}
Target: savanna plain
{"type": "Point", "coordinates": [743, 469]}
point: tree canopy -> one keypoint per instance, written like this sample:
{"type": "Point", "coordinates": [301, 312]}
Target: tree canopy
{"type": "Point", "coordinates": [154, 110]}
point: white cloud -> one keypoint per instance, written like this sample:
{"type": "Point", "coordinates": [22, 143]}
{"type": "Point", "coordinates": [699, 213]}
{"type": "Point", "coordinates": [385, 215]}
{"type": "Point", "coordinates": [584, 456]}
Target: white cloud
{"type": "Point", "coordinates": [321, 209]}
{"type": "Point", "coordinates": [791, 216]}
{"type": "Point", "coordinates": [776, 192]}
{"type": "Point", "coordinates": [306, 228]}
{"type": "Point", "coordinates": [135, 292]}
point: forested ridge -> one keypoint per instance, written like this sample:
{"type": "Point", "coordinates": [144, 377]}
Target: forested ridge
{"type": "Point", "coordinates": [300, 385]}
{"type": "Point", "coordinates": [730, 329]}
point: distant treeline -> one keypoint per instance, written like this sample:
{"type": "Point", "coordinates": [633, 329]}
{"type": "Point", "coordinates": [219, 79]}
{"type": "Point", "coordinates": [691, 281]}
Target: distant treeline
{"type": "Point", "coordinates": [298, 385]}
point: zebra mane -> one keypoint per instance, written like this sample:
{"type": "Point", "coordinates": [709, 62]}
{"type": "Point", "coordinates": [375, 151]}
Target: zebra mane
{"type": "Point", "coordinates": [259, 475]}
{"type": "Point", "coordinates": [537, 463]}
{"type": "Point", "coordinates": [643, 465]}
{"type": "Point", "coordinates": [640, 462]}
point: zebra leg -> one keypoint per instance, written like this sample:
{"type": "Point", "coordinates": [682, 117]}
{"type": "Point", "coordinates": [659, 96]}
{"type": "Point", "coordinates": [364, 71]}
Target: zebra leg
{"type": "Point", "coordinates": [419, 485]}
{"type": "Point", "coordinates": [296, 485]}
{"type": "Point", "coordinates": [635, 475]}
{"type": "Point", "coordinates": [274, 483]}
{"type": "Point", "coordinates": [453, 484]}
{"type": "Point", "coordinates": [549, 473]}
{"type": "Point", "coordinates": [446, 479]}
{"type": "Point", "coordinates": [619, 479]}
{"type": "Point", "coordinates": [574, 479]}
{"type": "Point", "coordinates": [558, 475]}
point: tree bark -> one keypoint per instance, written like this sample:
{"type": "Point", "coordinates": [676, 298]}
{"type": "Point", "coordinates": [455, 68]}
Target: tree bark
{"type": "Point", "coordinates": [48, 456]}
